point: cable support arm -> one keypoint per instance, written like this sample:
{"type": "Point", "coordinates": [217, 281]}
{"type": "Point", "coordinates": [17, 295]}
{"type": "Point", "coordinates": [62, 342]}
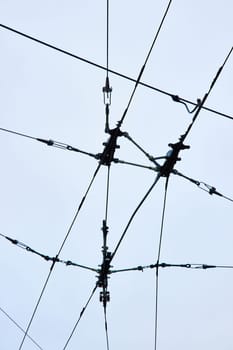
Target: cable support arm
{"type": "Point", "coordinates": [166, 265]}
{"type": "Point", "coordinates": [119, 161]}
{"type": "Point", "coordinates": [44, 256]}
{"type": "Point", "coordinates": [202, 185]}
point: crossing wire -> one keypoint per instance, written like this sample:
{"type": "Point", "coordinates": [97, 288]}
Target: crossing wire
{"type": "Point", "coordinates": [59, 251]}
{"type": "Point", "coordinates": [19, 327]}
{"type": "Point", "coordinates": [144, 65]}
{"type": "Point", "coordinates": [174, 97]}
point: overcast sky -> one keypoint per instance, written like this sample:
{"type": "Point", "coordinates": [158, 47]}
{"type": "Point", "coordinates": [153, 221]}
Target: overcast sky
{"type": "Point", "coordinates": [49, 95]}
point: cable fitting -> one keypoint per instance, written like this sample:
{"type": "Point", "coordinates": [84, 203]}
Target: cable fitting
{"type": "Point", "coordinates": [107, 92]}
{"type": "Point", "coordinates": [172, 157]}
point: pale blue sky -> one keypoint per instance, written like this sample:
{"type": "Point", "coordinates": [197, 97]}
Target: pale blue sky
{"type": "Point", "coordinates": [49, 95]}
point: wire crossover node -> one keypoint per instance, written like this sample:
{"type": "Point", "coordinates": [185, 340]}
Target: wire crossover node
{"type": "Point", "coordinates": [106, 157]}
{"type": "Point", "coordinates": [104, 270]}
{"type": "Point", "coordinates": [172, 158]}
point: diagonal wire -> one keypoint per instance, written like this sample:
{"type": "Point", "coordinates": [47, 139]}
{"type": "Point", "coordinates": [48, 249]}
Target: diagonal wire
{"type": "Point", "coordinates": [36, 307]}
{"type": "Point", "coordinates": [80, 316]}
{"type": "Point", "coordinates": [208, 188]}
{"type": "Point", "coordinates": [183, 137]}
{"type": "Point", "coordinates": [175, 98]}
{"type": "Point", "coordinates": [44, 256]}
{"type": "Point", "coordinates": [134, 213]}
{"type": "Point", "coordinates": [157, 267]}
{"type": "Point", "coordinates": [19, 327]}
{"type": "Point", "coordinates": [144, 65]}
{"type": "Point", "coordinates": [59, 251]}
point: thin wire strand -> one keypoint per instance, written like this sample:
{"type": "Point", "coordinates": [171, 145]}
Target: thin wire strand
{"type": "Point", "coordinates": [144, 65]}
{"type": "Point", "coordinates": [115, 72]}
{"type": "Point", "coordinates": [81, 314]}
{"type": "Point", "coordinates": [107, 39]}
{"type": "Point", "coordinates": [106, 327]}
{"type": "Point", "coordinates": [19, 327]}
{"type": "Point", "coordinates": [36, 307]}
{"type": "Point", "coordinates": [158, 259]}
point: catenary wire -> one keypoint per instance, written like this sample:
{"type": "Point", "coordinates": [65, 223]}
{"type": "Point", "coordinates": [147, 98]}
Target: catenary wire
{"type": "Point", "coordinates": [80, 316]}
{"type": "Point", "coordinates": [158, 260]}
{"type": "Point", "coordinates": [19, 327]}
{"type": "Point", "coordinates": [106, 327]}
{"type": "Point", "coordinates": [59, 251]}
{"type": "Point", "coordinates": [175, 98]}
{"type": "Point", "coordinates": [144, 65]}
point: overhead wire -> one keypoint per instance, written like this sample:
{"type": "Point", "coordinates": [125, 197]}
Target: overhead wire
{"type": "Point", "coordinates": [59, 251]}
{"type": "Point", "coordinates": [19, 327]}
{"type": "Point", "coordinates": [80, 316]}
{"type": "Point", "coordinates": [144, 65]}
{"type": "Point", "coordinates": [157, 263]}
{"type": "Point", "coordinates": [174, 97]}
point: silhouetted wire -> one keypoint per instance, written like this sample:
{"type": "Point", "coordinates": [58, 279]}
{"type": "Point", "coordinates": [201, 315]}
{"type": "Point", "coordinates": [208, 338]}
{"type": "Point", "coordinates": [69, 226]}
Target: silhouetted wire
{"type": "Point", "coordinates": [18, 133]}
{"type": "Point", "coordinates": [19, 327]}
{"type": "Point", "coordinates": [36, 307]}
{"type": "Point", "coordinates": [107, 39]}
{"type": "Point", "coordinates": [80, 316]}
{"type": "Point", "coordinates": [166, 265]}
{"type": "Point", "coordinates": [177, 98]}
{"type": "Point", "coordinates": [183, 137]}
{"type": "Point", "coordinates": [209, 189]}
{"type": "Point", "coordinates": [158, 260]}
{"type": "Point", "coordinates": [144, 65]}
{"type": "Point", "coordinates": [59, 251]}
{"type": "Point", "coordinates": [45, 256]}
{"type": "Point", "coordinates": [134, 213]}
{"type": "Point", "coordinates": [106, 327]}
{"type": "Point", "coordinates": [52, 143]}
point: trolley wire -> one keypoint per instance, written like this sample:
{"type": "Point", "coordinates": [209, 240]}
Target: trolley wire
{"type": "Point", "coordinates": [80, 316]}
{"type": "Point", "coordinates": [158, 261]}
{"type": "Point", "coordinates": [144, 65]}
{"type": "Point", "coordinates": [19, 327]}
{"type": "Point", "coordinates": [174, 97]}
{"type": "Point", "coordinates": [106, 327]}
